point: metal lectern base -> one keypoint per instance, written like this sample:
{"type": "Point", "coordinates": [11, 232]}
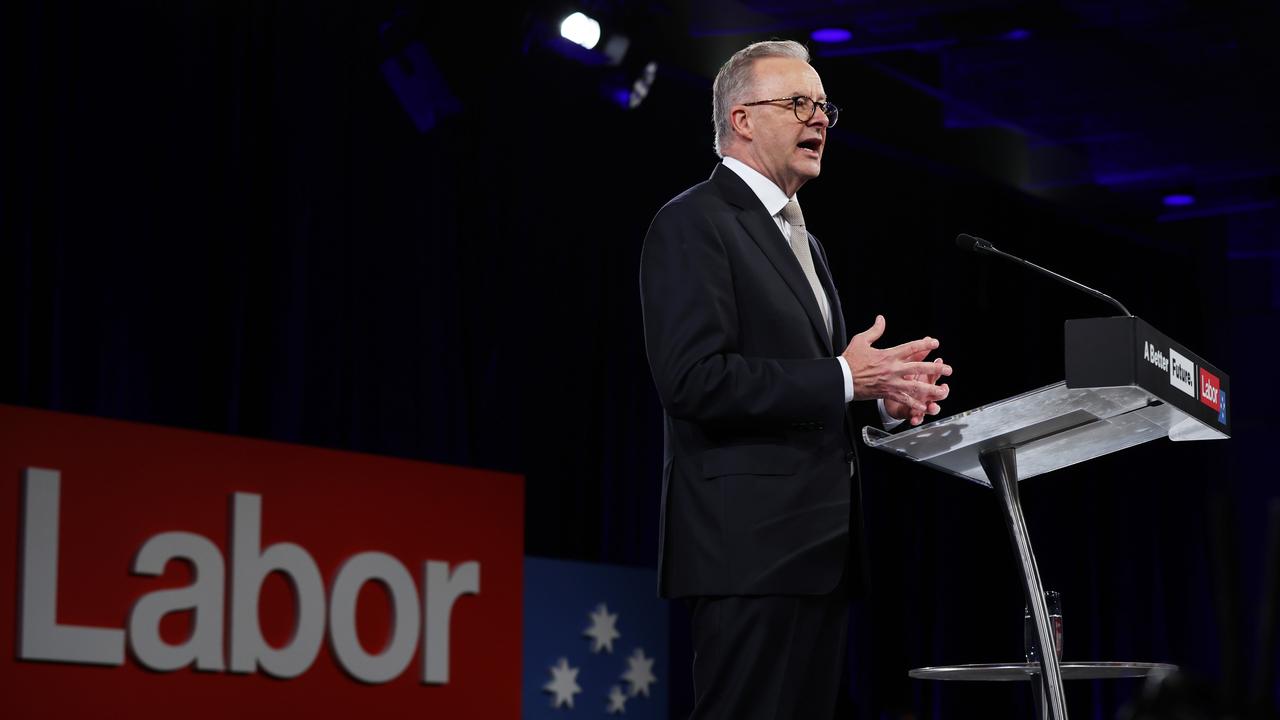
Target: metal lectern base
{"type": "Point", "coordinates": [1001, 466]}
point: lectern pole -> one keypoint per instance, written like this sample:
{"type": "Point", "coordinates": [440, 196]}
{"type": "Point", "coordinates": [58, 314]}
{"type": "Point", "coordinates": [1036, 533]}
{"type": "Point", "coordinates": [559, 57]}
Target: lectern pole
{"type": "Point", "coordinates": [1001, 467]}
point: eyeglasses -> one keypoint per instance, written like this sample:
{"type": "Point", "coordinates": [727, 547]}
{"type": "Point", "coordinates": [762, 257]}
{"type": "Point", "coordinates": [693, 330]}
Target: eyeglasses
{"type": "Point", "coordinates": [805, 108]}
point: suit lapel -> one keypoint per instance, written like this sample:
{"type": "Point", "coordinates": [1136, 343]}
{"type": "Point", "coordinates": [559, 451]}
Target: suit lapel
{"type": "Point", "coordinates": [838, 337]}
{"type": "Point", "coordinates": [761, 228]}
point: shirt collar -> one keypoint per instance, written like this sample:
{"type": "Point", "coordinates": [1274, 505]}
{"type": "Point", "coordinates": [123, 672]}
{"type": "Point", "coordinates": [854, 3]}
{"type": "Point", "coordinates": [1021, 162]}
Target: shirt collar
{"type": "Point", "coordinates": [770, 195]}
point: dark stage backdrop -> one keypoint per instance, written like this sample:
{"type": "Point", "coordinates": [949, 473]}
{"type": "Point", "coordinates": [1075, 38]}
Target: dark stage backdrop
{"type": "Point", "coordinates": [219, 216]}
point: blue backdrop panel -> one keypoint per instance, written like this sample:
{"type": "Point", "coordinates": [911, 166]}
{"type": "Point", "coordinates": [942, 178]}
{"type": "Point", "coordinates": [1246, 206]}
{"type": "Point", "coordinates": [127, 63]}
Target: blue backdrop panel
{"type": "Point", "coordinates": [592, 631]}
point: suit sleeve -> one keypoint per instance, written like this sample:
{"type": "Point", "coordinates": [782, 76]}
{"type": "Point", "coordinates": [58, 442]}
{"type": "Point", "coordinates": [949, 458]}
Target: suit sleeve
{"type": "Point", "coordinates": [691, 327]}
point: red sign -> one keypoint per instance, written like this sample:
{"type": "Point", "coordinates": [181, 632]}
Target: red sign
{"type": "Point", "coordinates": [1209, 389]}
{"type": "Point", "coordinates": [153, 572]}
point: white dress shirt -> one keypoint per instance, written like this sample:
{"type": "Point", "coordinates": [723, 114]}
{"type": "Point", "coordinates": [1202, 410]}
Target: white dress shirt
{"type": "Point", "coordinates": [773, 199]}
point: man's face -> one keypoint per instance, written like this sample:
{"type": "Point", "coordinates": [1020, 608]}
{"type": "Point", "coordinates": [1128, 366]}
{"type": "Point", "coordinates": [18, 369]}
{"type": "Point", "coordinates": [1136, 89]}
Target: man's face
{"type": "Point", "coordinates": [785, 150]}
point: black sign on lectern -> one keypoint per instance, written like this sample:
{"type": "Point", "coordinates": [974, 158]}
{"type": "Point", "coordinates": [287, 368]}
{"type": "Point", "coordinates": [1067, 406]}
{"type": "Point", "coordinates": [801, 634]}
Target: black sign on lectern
{"type": "Point", "coordinates": [1127, 351]}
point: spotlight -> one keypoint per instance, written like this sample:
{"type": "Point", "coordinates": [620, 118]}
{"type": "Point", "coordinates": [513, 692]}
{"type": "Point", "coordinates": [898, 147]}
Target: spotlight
{"type": "Point", "coordinates": [580, 29]}
{"type": "Point", "coordinates": [1179, 200]}
{"type": "Point", "coordinates": [582, 38]}
{"type": "Point", "coordinates": [615, 60]}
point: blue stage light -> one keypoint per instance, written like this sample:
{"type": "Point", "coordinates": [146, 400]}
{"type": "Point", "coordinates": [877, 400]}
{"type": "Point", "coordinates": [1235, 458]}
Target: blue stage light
{"type": "Point", "coordinates": [1179, 200]}
{"type": "Point", "coordinates": [1017, 34]}
{"type": "Point", "coordinates": [831, 35]}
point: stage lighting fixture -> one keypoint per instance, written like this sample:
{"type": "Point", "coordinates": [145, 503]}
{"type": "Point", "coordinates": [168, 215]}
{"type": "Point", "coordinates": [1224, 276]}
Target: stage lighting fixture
{"type": "Point", "coordinates": [640, 88]}
{"type": "Point", "coordinates": [623, 72]}
{"type": "Point", "coordinates": [615, 48]}
{"type": "Point", "coordinates": [581, 29]}
{"type": "Point", "coordinates": [413, 76]}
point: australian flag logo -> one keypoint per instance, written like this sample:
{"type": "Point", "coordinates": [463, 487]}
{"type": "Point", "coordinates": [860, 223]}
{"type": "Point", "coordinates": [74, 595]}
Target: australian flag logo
{"type": "Point", "coordinates": [1222, 407]}
{"type": "Point", "coordinates": [595, 642]}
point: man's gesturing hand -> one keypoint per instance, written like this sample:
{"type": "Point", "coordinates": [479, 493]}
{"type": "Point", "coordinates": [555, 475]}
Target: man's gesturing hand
{"type": "Point", "coordinates": [905, 412]}
{"type": "Point", "coordinates": [898, 375]}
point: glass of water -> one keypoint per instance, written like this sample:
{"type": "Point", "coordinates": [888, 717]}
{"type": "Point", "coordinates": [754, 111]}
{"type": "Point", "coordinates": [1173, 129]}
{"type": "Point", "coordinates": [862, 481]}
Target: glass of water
{"type": "Point", "coordinates": [1030, 641]}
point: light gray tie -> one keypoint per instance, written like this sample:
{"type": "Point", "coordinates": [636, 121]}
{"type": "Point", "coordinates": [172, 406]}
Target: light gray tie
{"type": "Point", "coordinates": [800, 246]}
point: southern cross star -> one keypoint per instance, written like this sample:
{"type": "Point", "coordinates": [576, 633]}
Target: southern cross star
{"type": "Point", "coordinates": [617, 701]}
{"type": "Point", "coordinates": [639, 673]}
{"type": "Point", "coordinates": [602, 631]}
{"type": "Point", "coordinates": [564, 684]}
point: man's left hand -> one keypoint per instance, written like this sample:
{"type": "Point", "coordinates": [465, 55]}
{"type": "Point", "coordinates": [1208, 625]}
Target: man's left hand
{"type": "Point", "coordinates": [901, 410]}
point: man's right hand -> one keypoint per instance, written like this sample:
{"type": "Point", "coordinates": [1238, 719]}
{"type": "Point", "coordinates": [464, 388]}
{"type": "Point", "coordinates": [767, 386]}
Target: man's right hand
{"type": "Point", "coordinates": [892, 374]}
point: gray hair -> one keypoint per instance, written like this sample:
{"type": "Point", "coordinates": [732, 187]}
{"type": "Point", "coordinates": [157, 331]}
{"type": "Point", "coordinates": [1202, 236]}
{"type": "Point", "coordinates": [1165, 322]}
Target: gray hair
{"type": "Point", "coordinates": [737, 76]}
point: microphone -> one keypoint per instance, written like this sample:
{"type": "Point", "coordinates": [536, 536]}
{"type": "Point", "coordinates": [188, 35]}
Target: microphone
{"type": "Point", "coordinates": [976, 244]}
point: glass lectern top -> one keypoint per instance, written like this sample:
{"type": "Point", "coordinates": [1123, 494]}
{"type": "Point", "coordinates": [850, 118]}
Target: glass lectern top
{"type": "Point", "coordinates": [1052, 427]}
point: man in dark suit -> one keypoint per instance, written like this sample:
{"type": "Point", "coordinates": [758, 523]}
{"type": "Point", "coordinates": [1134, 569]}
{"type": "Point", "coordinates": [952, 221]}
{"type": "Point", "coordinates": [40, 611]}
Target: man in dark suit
{"type": "Point", "coordinates": [744, 329]}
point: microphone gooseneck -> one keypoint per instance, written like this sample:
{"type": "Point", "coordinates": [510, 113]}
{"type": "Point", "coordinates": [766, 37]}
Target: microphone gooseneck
{"type": "Point", "coordinates": [976, 244]}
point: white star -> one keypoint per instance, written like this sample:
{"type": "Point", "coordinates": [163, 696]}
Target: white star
{"type": "Point", "coordinates": [617, 701]}
{"type": "Point", "coordinates": [639, 673]}
{"type": "Point", "coordinates": [564, 683]}
{"type": "Point", "coordinates": [602, 631]}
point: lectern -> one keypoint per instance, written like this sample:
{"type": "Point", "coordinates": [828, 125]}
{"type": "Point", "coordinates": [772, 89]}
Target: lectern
{"type": "Point", "coordinates": [1126, 383]}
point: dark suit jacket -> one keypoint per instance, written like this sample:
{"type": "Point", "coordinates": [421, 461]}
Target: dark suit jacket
{"type": "Point", "coordinates": [757, 495]}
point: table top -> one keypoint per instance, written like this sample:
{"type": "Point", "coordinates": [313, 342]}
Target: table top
{"type": "Point", "coordinates": [996, 672]}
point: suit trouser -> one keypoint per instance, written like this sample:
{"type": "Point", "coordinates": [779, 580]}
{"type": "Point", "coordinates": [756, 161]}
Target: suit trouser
{"type": "Point", "coordinates": [777, 657]}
